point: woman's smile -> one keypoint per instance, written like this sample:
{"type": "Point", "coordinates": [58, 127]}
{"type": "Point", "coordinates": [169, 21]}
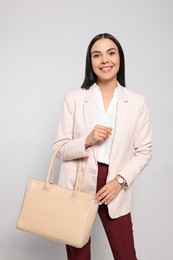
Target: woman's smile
{"type": "Point", "coordinates": [106, 69]}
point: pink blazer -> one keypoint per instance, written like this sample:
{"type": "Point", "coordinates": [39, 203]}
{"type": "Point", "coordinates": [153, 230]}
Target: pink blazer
{"type": "Point", "coordinates": [131, 149]}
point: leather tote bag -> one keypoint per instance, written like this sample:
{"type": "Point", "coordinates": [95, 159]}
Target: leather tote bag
{"type": "Point", "coordinates": [58, 213]}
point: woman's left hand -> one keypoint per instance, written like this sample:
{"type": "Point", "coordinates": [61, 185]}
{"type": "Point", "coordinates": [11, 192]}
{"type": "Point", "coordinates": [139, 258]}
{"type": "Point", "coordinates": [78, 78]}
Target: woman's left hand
{"type": "Point", "coordinates": [108, 192]}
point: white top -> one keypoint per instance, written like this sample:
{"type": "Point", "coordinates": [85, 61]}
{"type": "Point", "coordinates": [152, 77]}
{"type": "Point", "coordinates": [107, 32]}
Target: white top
{"type": "Point", "coordinates": [107, 118]}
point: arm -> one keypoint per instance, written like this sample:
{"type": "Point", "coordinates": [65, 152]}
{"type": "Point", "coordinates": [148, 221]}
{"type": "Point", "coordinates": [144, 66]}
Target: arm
{"type": "Point", "coordinates": [75, 148]}
{"type": "Point", "coordinates": [142, 147]}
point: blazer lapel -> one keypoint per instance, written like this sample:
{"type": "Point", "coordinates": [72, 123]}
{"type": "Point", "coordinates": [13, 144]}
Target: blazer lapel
{"type": "Point", "coordinates": [88, 112]}
{"type": "Point", "coordinates": [120, 121]}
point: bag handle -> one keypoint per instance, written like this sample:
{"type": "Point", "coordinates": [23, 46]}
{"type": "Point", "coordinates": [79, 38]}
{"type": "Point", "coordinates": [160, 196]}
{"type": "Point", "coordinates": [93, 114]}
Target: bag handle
{"type": "Point", "coordinates": [49, 179]}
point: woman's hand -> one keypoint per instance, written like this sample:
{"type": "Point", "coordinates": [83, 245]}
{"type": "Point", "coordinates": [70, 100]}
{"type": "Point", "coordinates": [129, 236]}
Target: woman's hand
{"type": "Point", "coordinates": [108, 192]}
{"type": "Point", "coordinates": [99, 134]}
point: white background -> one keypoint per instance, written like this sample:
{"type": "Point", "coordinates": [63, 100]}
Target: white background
{"type": "Point", "coordinates": [42, 56]}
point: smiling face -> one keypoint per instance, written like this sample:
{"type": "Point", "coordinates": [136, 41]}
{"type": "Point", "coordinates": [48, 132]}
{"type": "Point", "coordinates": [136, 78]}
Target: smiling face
{"type": "Point", "coordinates": [105, 60]}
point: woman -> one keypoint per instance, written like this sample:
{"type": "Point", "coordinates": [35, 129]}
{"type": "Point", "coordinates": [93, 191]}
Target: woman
{"type": "Point", "coordinates": [108, 127]}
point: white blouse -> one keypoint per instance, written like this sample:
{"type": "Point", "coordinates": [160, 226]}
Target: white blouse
{"type": "Point", "coordinates": [107, 118]}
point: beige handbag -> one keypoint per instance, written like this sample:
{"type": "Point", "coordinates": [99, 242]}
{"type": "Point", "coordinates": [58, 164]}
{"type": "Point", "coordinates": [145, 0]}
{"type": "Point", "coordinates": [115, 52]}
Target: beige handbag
{"type": "Point", "coordinates": [58, 213]}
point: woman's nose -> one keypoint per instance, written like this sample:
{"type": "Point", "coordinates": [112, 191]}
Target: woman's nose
{"type": "Point", "coordinates": [104, 59]}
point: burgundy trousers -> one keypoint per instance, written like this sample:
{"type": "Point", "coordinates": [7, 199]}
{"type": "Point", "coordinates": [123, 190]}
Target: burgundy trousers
{"type": "Point", "coordinates": [119, 231]}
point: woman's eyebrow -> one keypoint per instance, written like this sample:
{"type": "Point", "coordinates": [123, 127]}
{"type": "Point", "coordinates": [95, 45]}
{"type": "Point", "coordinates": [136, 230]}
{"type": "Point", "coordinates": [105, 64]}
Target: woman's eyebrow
{"type": "Point", "coordinates": [112, 49]}
{"type": "Point", "coordinates": [96, 52]}
{"type": "Point", "coordinates": [107, 50]}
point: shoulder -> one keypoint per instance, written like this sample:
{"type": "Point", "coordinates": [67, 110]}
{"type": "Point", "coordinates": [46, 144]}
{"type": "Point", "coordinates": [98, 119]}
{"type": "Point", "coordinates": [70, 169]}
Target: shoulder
{"type": "Point", "coordinates": [74, 98]}
{"type": "Point", "coordinates": [135, 101]}
{"type": "Point", "coordinates": [132, 96]}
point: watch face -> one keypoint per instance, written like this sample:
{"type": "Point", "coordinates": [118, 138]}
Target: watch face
{"type": "Point", "coordinates": [120, 180]}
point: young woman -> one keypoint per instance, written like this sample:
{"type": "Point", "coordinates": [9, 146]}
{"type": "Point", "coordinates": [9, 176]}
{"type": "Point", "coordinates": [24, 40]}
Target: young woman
{"type": "Point", "coordinates": [108, 127]}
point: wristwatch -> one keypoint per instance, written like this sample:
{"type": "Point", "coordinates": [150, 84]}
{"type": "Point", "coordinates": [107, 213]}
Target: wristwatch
{"type": "Point", "coordinates": [121, 181]}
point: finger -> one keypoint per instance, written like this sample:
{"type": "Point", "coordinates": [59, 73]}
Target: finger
{"type": "Point", "coordinates": [101, 198]}
{"type": "Point", "coordinates": [101, 137]}
{"type": "Point", "coordinates": [109, 200]}
{"type": "Point", "coordinates": [102, 132]}
{"type": "Point", "coordinates": [103, 189]}
{"type": "Point", "coordinates": [111, 196]}
{"type": "Point", "coordinates": [103, 129]}
{"type": "Point", "coordinates": [106, 195]}
{"type": "Point", "coordinates": [103, 126]}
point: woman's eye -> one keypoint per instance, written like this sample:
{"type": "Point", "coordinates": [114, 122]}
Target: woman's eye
{"type": "Point", "coordinates": [96, 55]}
{"type": "Point", "coordinates": [112, 53]}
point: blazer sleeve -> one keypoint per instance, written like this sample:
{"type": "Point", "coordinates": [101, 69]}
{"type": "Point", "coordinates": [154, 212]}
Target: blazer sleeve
{"type": "Point", "coordinates": [142, 146]}
{"type": "Point", "coordinates": [75, 147]}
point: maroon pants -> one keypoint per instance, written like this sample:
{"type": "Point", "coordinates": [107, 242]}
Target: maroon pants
{"type": "Point", "coordinates": [119, 231]}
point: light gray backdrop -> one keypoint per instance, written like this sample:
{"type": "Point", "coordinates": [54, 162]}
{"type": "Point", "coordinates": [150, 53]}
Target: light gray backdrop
{"type": "Point", "coordinates": [42, 55]}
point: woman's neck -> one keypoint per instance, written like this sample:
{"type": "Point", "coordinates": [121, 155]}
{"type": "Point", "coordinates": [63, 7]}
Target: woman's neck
{"type": "Point", "coordinates": [107, 90]}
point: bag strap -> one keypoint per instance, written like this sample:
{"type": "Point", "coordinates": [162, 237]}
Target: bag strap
{"type": "Point", "coordinates": [49, 179]}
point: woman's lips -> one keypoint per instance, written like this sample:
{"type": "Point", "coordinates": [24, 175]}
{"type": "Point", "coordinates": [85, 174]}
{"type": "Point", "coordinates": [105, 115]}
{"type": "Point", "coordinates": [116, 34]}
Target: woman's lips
{"type": "Point", "coordinates": [106, 69]}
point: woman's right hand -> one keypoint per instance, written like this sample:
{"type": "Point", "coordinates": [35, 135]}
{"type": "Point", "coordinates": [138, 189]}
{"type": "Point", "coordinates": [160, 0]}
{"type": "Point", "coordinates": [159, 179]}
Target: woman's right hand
{"type": "Point", "coordinates": [99, 134]}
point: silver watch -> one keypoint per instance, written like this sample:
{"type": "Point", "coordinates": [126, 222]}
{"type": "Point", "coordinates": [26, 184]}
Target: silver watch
{"type": "Point", "coordinates": [121, 181]}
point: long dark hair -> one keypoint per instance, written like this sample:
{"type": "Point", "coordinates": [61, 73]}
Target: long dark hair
{"type": "Point", "coordinates": [90, 76]}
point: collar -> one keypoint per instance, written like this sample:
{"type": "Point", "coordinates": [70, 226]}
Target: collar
{"type": "Point", "coordinates": [122, 91]}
